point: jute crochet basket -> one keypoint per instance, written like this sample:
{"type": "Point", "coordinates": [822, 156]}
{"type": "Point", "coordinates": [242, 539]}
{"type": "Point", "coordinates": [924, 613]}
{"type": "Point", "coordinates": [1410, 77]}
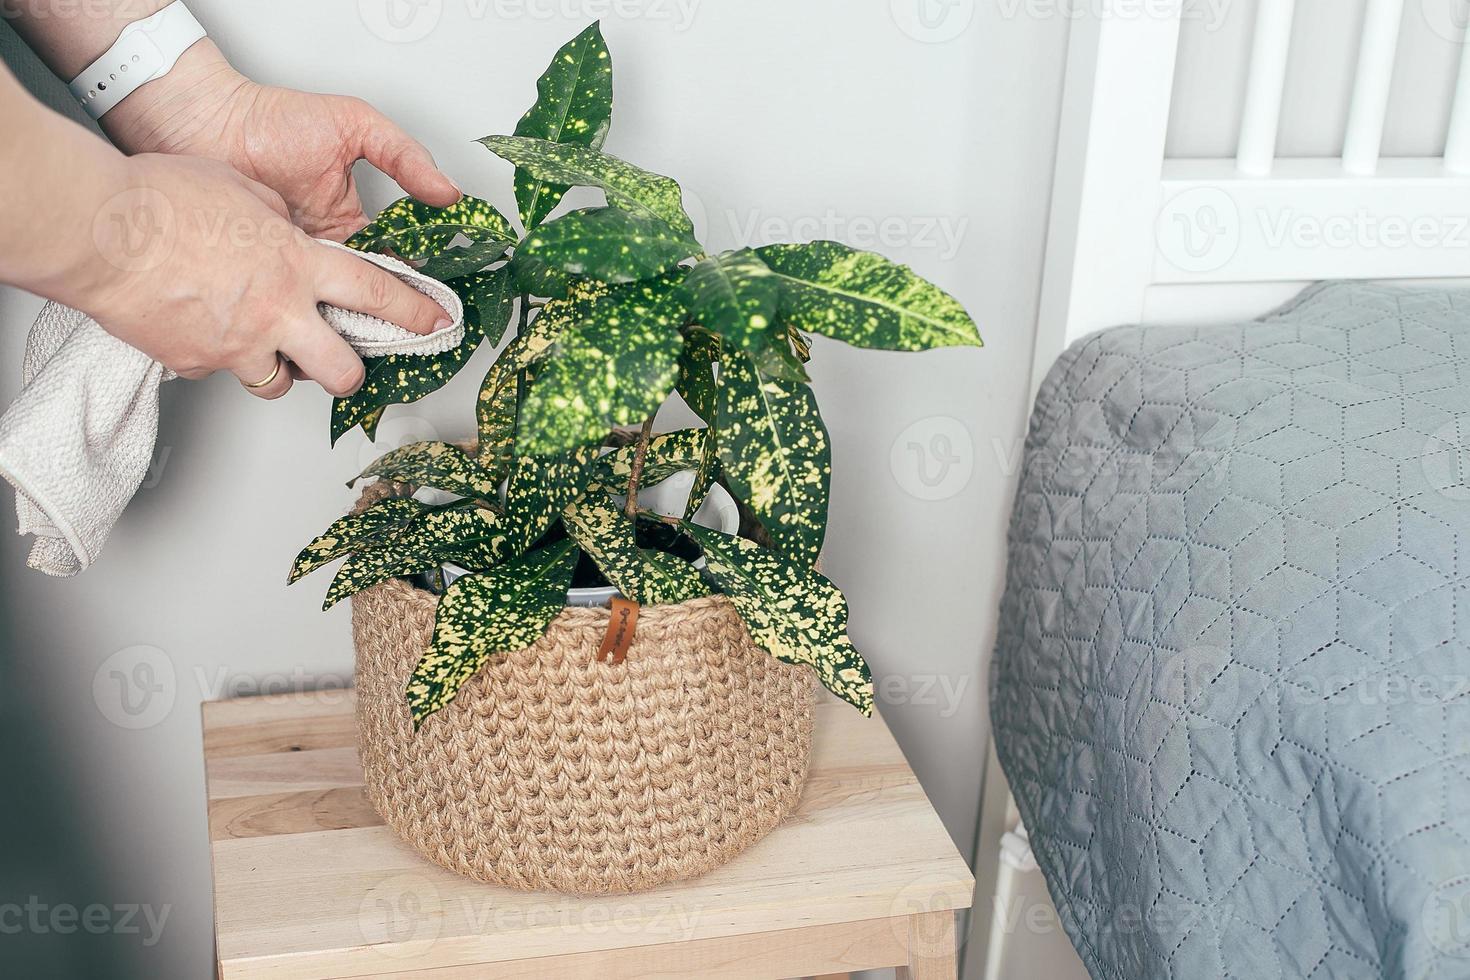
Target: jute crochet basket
{"type": "Point", "coordinates": [553, 771]}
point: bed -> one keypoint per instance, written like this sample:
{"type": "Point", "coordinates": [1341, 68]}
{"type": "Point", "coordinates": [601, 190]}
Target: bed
{"type": "Point", "coordinates": [1231, 687]}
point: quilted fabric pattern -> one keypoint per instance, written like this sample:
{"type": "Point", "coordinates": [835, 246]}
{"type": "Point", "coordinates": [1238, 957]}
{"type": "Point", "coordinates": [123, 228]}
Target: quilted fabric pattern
{"type": "Point", "coordinates": [1232, 690]}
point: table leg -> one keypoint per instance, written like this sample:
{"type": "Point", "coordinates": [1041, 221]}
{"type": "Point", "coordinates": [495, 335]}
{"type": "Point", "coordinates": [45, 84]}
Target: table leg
{"type": "Point", "coordinates": [932, 952]}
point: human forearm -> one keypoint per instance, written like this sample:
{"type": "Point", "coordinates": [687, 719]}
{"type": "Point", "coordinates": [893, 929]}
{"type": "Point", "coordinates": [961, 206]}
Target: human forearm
{"type": "Point", "coordinates": [181, 107]}
{"type": "Point", "coordinates": [55, 181]}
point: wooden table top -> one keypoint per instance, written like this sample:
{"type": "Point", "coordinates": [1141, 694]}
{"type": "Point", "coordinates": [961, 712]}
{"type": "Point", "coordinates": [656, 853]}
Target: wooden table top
{"type": "Point", "coordinates": [308, 883]}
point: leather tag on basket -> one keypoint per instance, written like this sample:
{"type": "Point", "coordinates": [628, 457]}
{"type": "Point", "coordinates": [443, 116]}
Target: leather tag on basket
{"type": "Point", "coordinates": [620, 628]}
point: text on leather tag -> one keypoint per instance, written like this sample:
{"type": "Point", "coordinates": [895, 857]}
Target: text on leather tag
{"type": "Point", "coordinates": [620, 627]}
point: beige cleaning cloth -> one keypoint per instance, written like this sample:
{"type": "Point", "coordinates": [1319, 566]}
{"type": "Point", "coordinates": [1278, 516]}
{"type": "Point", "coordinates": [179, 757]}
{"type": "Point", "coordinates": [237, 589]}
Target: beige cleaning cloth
{"type": "Point", "coordinates": [77, 441]}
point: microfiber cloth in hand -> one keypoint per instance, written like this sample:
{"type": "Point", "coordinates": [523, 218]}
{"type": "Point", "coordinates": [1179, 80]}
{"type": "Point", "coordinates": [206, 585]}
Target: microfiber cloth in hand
{"type": "Point", "coordinates": [77, 441]}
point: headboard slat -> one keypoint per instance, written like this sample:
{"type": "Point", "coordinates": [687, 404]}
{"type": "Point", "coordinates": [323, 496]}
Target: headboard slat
{"type": "Point", "coordinates": [1369, 110]}
{"type": "Point", "coordinates": [1267, 84]}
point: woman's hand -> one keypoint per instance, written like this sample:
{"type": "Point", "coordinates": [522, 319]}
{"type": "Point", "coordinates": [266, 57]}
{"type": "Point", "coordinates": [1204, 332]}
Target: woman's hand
{"type": "Point", "coordinates": [200, 267]}
{"type": "Point", "coordinates": [302, 146]}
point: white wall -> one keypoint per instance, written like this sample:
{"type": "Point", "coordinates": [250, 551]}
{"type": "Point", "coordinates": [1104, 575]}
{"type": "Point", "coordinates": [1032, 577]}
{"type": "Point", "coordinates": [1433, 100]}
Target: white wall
{"type": "Point", "coordinates": [811, 119]}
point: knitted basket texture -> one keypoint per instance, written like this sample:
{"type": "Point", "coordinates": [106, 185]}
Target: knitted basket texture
{"type": "Point", "coordinates": [552, 771]}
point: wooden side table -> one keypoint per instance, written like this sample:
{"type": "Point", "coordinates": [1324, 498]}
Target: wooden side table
{"type": "Point", "coordinates": [309, 884]}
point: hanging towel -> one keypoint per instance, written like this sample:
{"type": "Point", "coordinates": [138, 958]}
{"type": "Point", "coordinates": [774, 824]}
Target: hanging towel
{"type": "Point", "coordinates": [77, 441]}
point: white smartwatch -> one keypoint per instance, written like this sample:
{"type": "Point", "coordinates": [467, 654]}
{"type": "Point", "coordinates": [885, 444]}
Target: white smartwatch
{"type": "Point", "coordinates": [145, 50]}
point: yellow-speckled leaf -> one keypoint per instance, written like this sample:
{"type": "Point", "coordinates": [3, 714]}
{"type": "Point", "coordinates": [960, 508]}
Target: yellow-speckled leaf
{"type": "Point", "coordinates": [608, 244]}
{"type": "Point", "coordinates": [473, 537]}
{"type": "Point", "coordinates": [435, 464]}
{"type": "Point", "coordinates": [775, 454]}
{"type": "Point", "coordinates": [403, 378]}
{"type": "Point", "coordinates": [628, 187]}
{"type": "Point", "coordinates": [647, 577]}
{"type": "Point", "coordinates": [696, 382]}
{"type": "Point", "coordinates": [496, 407]}
{"type": "Point", "coordinates": [864, 299]}
{"type": "Point", "coordinates": [350, 533]}
{"type": "Point", "coordinates": [539, 490]}
{"type": "Point", "coordinates": [412, 230]}
{"type": "Point", "coordinates": [455, 263]}
{"type": "Point", "coordinates": [696, 385]}
{"type": "Point", "coordinates": [573, 106]}
{"type": "Point", "coordinates": [367, 568]}
{"type": "Point", "coordinates": [736, 296]}
{"type": "Point", "coordinates": [480, 616]}
{"type": "Point", "coordinates": [792, 612]}
{"type": "Point", "coordinates": [668, 453]}
{"type": "Point", "coordinates": [615, 368]}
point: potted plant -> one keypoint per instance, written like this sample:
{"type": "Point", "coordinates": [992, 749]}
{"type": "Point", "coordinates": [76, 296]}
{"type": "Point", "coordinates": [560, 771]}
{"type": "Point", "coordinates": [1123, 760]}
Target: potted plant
{"type": "Point", "coordinates": [505, 734]}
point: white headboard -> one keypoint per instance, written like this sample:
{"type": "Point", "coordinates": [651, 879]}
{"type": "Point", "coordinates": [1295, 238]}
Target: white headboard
{"type": "Point", "coordinates": [1130, 228]}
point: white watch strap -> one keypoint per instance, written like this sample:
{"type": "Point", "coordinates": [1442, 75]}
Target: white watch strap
{"type": "Point", "coordinates": [145, 50]}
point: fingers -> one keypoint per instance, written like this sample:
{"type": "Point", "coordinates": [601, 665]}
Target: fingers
{"type": "Point", "coordinates": [321, 355]}
{"type": "Point", "coordinates": [346, 281]}
{"type": "Point", "coordinates": [403, 158]}
{"type": "Point", "coordinates": [258, 369]}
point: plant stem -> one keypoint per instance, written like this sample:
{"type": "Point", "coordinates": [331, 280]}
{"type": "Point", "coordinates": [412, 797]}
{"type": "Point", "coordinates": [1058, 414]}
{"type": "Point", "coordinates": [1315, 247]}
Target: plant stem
{"type": "Point", "coordinates": [640, 456]}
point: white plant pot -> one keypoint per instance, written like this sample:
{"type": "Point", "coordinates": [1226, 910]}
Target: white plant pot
{"type": "Point", "coordinates": [718, 512]}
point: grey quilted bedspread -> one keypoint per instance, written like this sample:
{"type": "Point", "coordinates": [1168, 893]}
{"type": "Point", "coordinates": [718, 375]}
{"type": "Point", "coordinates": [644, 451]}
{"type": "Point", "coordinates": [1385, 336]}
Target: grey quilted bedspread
{"type": "Point", "coordinates": [1232, 689]}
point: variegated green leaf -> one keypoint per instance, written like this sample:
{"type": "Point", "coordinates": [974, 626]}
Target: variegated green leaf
{"type": "Point", "coordinates": [350, 533]}
{"type": "Point", "coordinates": [607, 536]}
{"type": "Point", "coordinates": [473, 537]}
{"type": "Point", "coordinates": [365, 569]}
{"type": "Point", "coordinates": [539, 490]}
{"type": "Point", "coordinates": [628, 187]}
{"type": "Point", "coordinates": [615, 368]}
{"type": "Point", "coordinates": [466, 261]}
{"type": "Point", "coordinates": [608, 244]}
{"type": "Point", "coordinates": [864, 299]}
{"type": "Point", "coordinates": [668, 453]}
{"type": "Point", "coordinates": [499, 399]}
{"type": "Point", "coordinates": [495, 415]}
{"type": "Point", "coordinates": [536, 277]}
{"type": "Point", "coordinates": [792, 612]}
{"type": "Point", "coordinates": [412, 230]}
{"type": "Point", "coordinates": [503, 610]}
{"type": "Point", "coordinates": [736, 296]}
{"type": "Point", "coordinates": [775, 454]}
{"type": "Point", "coordinates": [402, 378]}
{"type": "Point", "coordinates": [801, 343]}
{"type": "Point", "coordinates": [778, 360]}
{"type": "Point", "coordinates": [434, 464]}
{"type": "Point", "coordinates": [696, 385]}
{"type": "Point", "coordinates": [573, 106]}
